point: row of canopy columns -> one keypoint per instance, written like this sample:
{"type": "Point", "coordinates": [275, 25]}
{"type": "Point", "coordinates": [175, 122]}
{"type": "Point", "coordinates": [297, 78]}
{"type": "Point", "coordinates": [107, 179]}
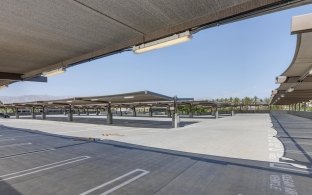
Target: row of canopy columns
{"type": "Point", "coordinates": [297, 107]}
{"type": "Point", "coordinates": [171, 110]}
{"type": "Point", "coordinates": [33, 113]}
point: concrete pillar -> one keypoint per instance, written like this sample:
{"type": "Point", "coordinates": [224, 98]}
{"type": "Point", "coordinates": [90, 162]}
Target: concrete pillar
{"type": "Point", "coordinates": [87, 110]}
{"type": "Point", "coordinates": [176, 117]}
{"type": "Point", "coordinates": [33, 113]}
{"type": "Point", "coordinates": [232, 112]}
{"type": "Point", "coordinates": [217, 113]}
{"type": "Point", "coordinates": [175, 120]}
{"type": "Point", "coordinates": [97, 112]}
{"type": "Point", "coordinates": [109, 115]}
{"type": "Point", "coordinates": [120, 111]}
{"type": "Point", "coordinates": [43, 113]}
{"type": "Point", "coordinates": [70, 114]}
{"type": "Point", "coordinates": [169, 112]}
{"type": "Point", "coordinates": [78, 112]}
{"type": "Point", "coordinates": [150, 111]}
{"type": "Point", "coordinates": [191, 111]}
{"type": "Point", "coordinates": [134, 111]}
{"type": "Point", "coordinates": [5, 111]}
{"type": "Point", "coordinates": [16, 113]}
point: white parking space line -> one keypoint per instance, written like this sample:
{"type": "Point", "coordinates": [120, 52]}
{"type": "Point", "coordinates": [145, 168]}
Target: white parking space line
{"type": "Point", "coordinates": [144, 172]}
{"type": "Point", "coordinates": [14, 145]}
{"type": "Point", "coordinates": [42, 168]}
{"type": "Point", "coordinates": [28, 153]}
{"type": "Point", "coordinates": [291, 167]}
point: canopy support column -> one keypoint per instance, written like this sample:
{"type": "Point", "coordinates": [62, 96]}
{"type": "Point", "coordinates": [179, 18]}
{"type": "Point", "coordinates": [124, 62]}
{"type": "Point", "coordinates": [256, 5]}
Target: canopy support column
{"type": "Point", "coordinates": [70, 113]}
{"type": "Point", "coordinates": [16, 113]}
{"type": "Point", "coordinates": [134, 111]}
{"type": "Point", "coordinates": [150, 111]}
{"type": "Point", "coordinates": [33, 113]}
{"type": "Point", "coordinates": [191, 111]}
{"type": "Point", "coordinates": [176, 117]}
{"type": "Point", "coordinates": [217, 113]}
{"type": "Point", "coordinates": [43, 113]}
{"type": "Point", "coordinates": [109, 114]}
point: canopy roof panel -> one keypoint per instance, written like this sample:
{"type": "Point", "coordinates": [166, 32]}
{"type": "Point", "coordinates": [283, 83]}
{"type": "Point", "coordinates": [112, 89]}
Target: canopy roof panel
{"type": "Point", "coordinates": [42, 35]}
{"type": "Point", "coordinates": [297, 83]}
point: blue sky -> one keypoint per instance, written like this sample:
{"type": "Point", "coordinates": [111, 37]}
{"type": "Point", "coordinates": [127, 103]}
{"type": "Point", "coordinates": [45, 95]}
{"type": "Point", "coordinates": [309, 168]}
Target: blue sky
{"type": "Point", "coordinates": [238, 59]}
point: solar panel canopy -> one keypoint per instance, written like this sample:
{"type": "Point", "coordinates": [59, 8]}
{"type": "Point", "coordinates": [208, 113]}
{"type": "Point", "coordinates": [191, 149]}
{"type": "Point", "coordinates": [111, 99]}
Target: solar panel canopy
{"type": "Point", "coordinates": [42, 35]}
{"type": "Point", "coordinates": [297, 87]}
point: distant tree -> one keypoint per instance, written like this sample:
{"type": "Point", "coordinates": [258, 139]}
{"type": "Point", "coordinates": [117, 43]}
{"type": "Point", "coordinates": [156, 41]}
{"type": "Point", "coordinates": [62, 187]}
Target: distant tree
{"type": "Point", "coordinates": [236, 101]}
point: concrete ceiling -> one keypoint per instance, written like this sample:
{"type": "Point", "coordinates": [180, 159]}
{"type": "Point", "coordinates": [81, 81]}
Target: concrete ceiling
{"type": "Point", "coordinates": [42, 35]}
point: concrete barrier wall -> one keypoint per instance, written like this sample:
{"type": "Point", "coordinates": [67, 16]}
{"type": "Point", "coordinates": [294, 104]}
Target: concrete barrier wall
{"type": "Point", "coordinates": [301, 114]}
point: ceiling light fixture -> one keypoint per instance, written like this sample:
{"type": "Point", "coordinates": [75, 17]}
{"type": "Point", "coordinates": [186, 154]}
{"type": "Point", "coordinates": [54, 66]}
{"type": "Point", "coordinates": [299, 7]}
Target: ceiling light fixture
{"type": "Point", "coordinates": [290, 89]}
{"type": "Point", "coordinates": [54, 72]}
{"type": "Point", "coordinates": [161, 43]}
{"type": "Point", "coordinates": [280, 79]}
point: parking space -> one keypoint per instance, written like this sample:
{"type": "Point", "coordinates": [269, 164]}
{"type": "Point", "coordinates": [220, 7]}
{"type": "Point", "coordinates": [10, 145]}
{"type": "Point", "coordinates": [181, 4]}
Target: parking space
{"type": "Point", "coordinates": [54, 164]}
{"type": "Point", "coordinates": [296, 135]}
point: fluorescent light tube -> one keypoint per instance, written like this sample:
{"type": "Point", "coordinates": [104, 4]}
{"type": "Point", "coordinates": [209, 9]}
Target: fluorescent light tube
{"type": "Point", "coordinates": [54, 72]}
{"type": "Point", "coordinates": [290, 89]}
{"type": "Point", "coordinates": [165, 42]}
{"type": "Point", "coordinates": [280, 79]}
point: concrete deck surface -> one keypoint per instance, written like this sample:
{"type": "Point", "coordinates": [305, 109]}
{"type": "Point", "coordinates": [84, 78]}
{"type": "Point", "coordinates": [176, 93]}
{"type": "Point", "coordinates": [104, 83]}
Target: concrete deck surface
{"type": "Point", "coordinates": [39, 162]}
{"type": "Point", "coordinates": [243, 136]}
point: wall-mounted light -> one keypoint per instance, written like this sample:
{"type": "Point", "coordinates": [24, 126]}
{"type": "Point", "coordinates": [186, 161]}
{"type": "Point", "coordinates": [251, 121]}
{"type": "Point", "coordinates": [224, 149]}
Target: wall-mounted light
{"type": "Point", "coordinates": [290, 89]}
{"type": "Point", "coordinates": [282, 95]}
{"type": "Point", "coordinates": [274, 92]}
{"type": "Point", "coordinates": [54, 72]}
{"type": "Point", "coordinates": [161, 43]}
{"type": "Point", "coordinates": [128, 97]}
{"type": "Point", "coordinates": [280, 79]}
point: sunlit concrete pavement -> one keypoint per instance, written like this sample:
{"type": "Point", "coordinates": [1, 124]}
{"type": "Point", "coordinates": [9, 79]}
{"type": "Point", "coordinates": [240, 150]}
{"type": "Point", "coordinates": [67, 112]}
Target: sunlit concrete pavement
{"type": "Point", "coordinates": [243, 136]}
{"type": "Point", "coordinates": [37, 162]}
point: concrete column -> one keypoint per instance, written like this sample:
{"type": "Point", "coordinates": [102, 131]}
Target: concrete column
{"type": "Point", "coordinates": [150, 111]}
{"type": "Point", "coordinates": [169, 111]}
{"type": "Point", "coordinates": [16, 113]}
{"type": "Point", "coordinates": [70, 114]}
{"type": "Point", "coordinates": [120, 111]}
{"type": "Point", "coordinates": [232, 112]}
{"type": "Point", "coordinates": [5, 111]}
{"type": "Point", "coordinates": [78, 112]}
{"type": "Point", "coordinates": [109, 115]}
{"type": "Point", "coordinates": [87, 110]}
{"type": "Point", "coordinates": [176, 117]}
{"type": "Point", "coordinates": [175, 120]}
{"type": "Point", "coordinates": [33, 113]}
{"type": "Point", "coordinates": [217, 113]}
{"type": "Point", "coordinates": [134, 111]}
{"type": "Point", "coordinates": [43, 113]}
{"type": "Point", "coordinates": [97, 112]}
{"type": "Point", "coordinates": [191, 111]}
